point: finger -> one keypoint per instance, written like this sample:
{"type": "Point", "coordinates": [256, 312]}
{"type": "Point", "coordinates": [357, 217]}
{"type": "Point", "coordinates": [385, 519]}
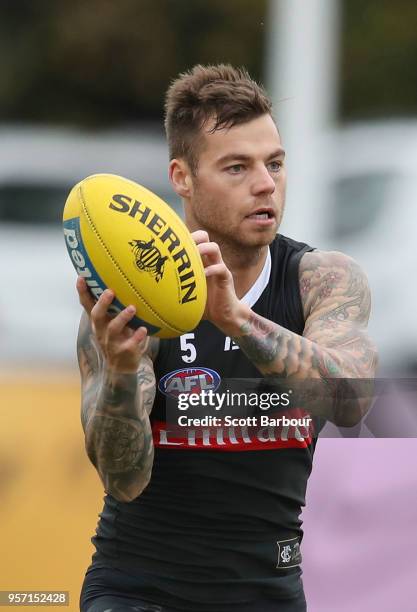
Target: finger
{"type": "Point", "coordinates": [118, 324]}
{"type": "Point", "coordinates": [210, 252]}
{"type": "Point", "coordinates": [200, 236]}
{"type": "Point", "coordinates": [138, 340]}
{"type": "Point", "coordinates": [219, 271]}
{"type": "Point", "coordinates": [140, 337]}
{"type": "Point", "coordinates": [84, 295]}
{"type": "Point", "coordinates": [99, 312]}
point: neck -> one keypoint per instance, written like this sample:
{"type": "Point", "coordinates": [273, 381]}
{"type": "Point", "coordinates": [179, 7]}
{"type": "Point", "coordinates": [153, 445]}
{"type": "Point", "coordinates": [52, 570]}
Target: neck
{"type": "Point", "coordinates": [245, 263]}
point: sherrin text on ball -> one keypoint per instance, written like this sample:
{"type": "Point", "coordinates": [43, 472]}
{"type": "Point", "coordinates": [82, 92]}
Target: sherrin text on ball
{"type": "Point", "coordinates": [121, 236]}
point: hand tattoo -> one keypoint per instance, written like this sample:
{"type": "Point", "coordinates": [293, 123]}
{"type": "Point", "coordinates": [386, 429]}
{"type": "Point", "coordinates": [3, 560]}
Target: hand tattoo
{"type": "Point", "coordinates": [115, 416]}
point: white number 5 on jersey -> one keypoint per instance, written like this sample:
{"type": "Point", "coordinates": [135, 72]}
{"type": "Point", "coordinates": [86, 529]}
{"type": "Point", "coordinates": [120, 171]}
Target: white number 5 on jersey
{"type": "Point", "coordinates": [188, 348]}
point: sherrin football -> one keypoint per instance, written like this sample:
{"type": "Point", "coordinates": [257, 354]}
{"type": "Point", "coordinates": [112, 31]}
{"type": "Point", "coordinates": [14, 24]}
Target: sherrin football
{"type": "Point", "coordinates": [121, 236]}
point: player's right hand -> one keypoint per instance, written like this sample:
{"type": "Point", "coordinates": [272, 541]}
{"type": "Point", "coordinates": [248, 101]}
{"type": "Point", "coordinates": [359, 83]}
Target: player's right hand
{"type": "Point", "coordinates": [121, 346]}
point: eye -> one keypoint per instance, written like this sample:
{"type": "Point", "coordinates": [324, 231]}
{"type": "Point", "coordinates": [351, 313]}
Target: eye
{"type": "Point", "coordinates": [235, 169]}
{"type": "Point", "coordinates": [275, 166]}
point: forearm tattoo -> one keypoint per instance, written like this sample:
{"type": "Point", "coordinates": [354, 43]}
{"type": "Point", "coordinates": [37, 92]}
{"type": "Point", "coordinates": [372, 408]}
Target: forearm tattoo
{"type": "Point", "coordinates": [334, 344]}
{"type": "Point", "coordinates": [278, 352]}
{"type": "Point", "coordinates": [115, 416]}
{"type": "Point", "coordinates": [118, 443]}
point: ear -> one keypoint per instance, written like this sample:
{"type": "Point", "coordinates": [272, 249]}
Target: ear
{"type": "Point", "coordinates": [180, 177]}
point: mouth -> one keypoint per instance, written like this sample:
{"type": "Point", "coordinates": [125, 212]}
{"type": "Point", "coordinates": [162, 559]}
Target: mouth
{"type": "Point", "coordinates": [262, 214]}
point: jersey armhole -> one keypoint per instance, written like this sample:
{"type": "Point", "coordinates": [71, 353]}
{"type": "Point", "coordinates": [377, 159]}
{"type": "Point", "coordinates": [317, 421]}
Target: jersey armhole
{"type": "Point", "coordinates": [294, 283]}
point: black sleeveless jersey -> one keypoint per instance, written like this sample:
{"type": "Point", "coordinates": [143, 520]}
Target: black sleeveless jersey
{"type": "Point", "coordinates": [219, 522]}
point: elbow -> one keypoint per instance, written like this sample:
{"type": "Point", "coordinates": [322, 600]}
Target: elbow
{"type": "Point", "coordinates": [122, 496]}
{"type": "Point", "coordinates": [124, 487]}
{"type": "Point", "coordinates": [348, 420]}
{"type": "Point", "coordinates": [124, 479]}
{"type": "Point", "coordinates": [352, 413]}
{"type": "Point", "coordinates": [127, 486]}
{"type": "Point", "coordinates": [128, 493]}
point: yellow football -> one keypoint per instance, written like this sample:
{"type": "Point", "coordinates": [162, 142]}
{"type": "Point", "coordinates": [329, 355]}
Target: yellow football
{"type": "Point", "coordinates": [121, 236]}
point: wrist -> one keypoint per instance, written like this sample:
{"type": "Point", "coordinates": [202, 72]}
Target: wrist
{"type": "Point", "coordinates": [117, 387]}
{"type": "Point", "coordinates": [233, 321]}
{"type": "Point", "coordinates": [117, 375]}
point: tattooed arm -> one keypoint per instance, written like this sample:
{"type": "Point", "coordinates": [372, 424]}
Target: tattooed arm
{"type": "Point", "coordinates": [117, 398]}
{"type": "Point", "coordinates": [115, 417]}
{"type": "Point", "coordinates": [334, 345]}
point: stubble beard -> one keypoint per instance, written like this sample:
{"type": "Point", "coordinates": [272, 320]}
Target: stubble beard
{"type": "Point", "coordinates": [234, 244]}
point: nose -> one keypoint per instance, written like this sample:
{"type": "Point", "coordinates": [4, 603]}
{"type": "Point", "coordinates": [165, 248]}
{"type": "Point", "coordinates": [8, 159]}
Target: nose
{"type": "Point", "coordinates": [263, 183]}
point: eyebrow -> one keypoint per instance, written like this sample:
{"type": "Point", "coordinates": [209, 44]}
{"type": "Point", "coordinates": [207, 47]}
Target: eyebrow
{"type": "Point", "coordinates": [280, 152]}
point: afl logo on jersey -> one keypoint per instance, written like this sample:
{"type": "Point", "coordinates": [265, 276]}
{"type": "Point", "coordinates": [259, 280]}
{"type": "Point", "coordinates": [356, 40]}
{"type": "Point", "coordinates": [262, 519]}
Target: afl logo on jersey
{"type": "Point", "coordinates": [189, 380]}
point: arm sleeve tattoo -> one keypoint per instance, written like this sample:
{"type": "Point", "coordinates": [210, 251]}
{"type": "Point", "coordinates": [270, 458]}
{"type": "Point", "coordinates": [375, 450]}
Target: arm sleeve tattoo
{"type": "Point", "coordinates": [115, 417]}
{"type": "Point", "coordinates": [334, 345]}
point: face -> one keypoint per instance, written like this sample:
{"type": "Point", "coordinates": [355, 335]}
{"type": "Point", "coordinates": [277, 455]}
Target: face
{"type": "Point", "coordinates": [238, 193]}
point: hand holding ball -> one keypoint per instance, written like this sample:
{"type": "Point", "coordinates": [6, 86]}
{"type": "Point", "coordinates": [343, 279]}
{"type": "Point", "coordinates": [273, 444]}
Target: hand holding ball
{"type": "Point", "coordinates": [121, 236]}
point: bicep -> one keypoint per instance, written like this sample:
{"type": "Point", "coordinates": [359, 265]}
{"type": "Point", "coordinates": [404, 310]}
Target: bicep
{"type": "Point", "coordinates": [339, 304]}
{"type": "Point", "coordinates": [348, 344]}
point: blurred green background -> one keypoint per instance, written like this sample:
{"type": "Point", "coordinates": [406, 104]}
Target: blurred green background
{"type": "Point", "coordinates": [101, 62]}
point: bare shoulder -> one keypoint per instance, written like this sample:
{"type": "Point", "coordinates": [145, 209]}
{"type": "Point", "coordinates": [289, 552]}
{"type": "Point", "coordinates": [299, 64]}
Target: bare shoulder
{"type": "Point", "coordinates": [333, 282]}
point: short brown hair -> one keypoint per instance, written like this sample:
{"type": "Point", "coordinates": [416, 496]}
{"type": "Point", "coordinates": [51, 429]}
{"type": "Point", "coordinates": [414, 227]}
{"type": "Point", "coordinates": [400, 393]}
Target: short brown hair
{"type": "Point", "coordinates": [227, 94]}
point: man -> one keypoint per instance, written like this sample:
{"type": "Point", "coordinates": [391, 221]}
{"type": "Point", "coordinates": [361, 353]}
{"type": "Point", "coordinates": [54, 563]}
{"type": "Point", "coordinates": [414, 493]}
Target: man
{"type": "Point", "coordinates": [212, 524]}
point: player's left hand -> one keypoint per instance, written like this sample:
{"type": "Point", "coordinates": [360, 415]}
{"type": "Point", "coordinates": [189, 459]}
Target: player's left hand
{"type": "Point", "coordinates": [223, 307]}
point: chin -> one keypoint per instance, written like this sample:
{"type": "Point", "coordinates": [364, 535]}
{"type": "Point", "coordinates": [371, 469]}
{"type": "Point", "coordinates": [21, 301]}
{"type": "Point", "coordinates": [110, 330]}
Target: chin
{"type": "Point", "coordinates": [256, 240]}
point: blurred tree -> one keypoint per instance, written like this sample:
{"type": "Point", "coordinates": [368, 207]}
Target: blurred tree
{"type": "Point", "coordinates": [100, 61]}
{"type": "Point", "coordinates": [379, 58]}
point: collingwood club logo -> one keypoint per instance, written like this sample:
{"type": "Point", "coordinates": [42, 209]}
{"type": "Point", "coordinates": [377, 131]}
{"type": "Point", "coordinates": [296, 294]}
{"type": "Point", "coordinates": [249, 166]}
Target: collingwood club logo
{"type": "Point", "coordinates": [148, 258]}
{"type": "Point", "coordinates": [285, 554]}
{"type": "Point", "coordinates": [289, 554]}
